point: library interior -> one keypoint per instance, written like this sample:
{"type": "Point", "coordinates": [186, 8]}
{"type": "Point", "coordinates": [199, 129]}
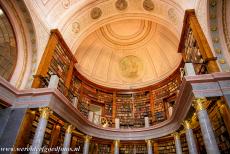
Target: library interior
{"type": "Point", "coordinates": [115, 76]}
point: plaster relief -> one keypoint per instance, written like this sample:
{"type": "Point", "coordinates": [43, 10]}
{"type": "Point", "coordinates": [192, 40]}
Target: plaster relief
{"type": "Point", "coordinates": [148, 5]}
{"type": "Point", "coordinates": [121, 4]}
{"type": "Point", "coordinates": [96, 13]}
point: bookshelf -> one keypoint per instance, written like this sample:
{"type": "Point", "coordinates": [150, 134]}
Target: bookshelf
{"type": "Point", "coordinates": [124, 110]}
{"type": "Point", "coordinates": [192, 53]}
{"type": "Point", "coordinates": [141, 109]}
{"type": "Point", "coordinates": [137, 148]}
{"type": "Point", "coordinates": [167, 147]}
{"type": "Point", "coordinates": [219, 128]}
{"type": "Point", "coordinates": [104, 148]}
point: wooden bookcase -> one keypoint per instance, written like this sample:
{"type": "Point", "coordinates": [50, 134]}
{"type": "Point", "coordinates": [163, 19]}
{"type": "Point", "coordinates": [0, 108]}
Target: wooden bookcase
{"type": "Point", "coordinates": [194, 45]}
{"type": "Point", "coordinates": [219, 128]}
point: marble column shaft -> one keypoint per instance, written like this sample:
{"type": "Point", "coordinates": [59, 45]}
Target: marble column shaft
{"type": "Point", "coordinates": [178, 144]}
{"type": "Point", "coordinates": [191, 142]}
{"type": "Point", "coordinates": [206, 127]}
{"type": "Point", "coordinates": [40, 131]}
{"type": "Point", "coordinates": [116, 147]}
{"type": "Point", "coordinates": [207, 132]}
{"type": "Point", "coordinates": [67, 139]}
{"type": "Point", "coordinates": [149, 147]}
{"type": "Point", "coordinates": [86, 145]}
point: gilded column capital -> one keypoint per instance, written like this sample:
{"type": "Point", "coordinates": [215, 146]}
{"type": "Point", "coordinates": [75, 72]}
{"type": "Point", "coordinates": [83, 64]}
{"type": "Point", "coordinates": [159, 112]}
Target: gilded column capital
{"type": "Point", "coordinates": [176, 135]}
{"type": "Point", "coordinates": [198, 104]}
{"type": "Point", "coordinates": [87, 138]}
{"type": "Point", "coordinates": [116, 142]}
{"type": "Point", "coordinates": [69, 129]}
{"type": "Point", "coordinates": [148, 141]}
{"type": "Point", "coordinates": [187, 124]}
{"type": "Point", "coordinates": [45, 112]}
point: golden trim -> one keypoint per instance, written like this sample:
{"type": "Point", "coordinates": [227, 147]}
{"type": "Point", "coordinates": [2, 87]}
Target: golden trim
{"type": "Point", "coordinates": [198, 104]}
{"type": "Point", "coordinates": [218, 50]}
{"type": "Point", "coordinates": [176, 135]}
{"type": "Point", "coordinates": [187, 124]}
{"type": "Point", "coordinates": [69, 129]}
{"type": "Point", "coordinates": [116, 142]}
{"type": "Point", "coordinates": [45, 112]}
{"type": "Point", "coordinates": [222, 61]}
{"type": "Point", "coordinates": [87, 138]}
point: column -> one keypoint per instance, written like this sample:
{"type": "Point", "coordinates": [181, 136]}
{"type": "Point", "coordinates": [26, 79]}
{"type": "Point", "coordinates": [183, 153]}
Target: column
{"type": "Point", "coordinates": [86, 144]}
{"type": "Point", "coordinates": [54, 79]}
{"type": "Point", "coordinates": [206, 128]}
{"type": "Point", "coordinates": [117, 123]}
{"type": "Point", "coordinates": [190, 138]}
{"type": "Point", "coordinates": [40, 130]}
{"type": "Point", "coordinates": [116, 146]}
{"type": "Point", "coordinates": [146, 122]}
{"type": "Point", "coordinates": [149, 146]}
{"type": "Point", "coordinates": [75, 101]}
{"type": "Point", "coordinates": [90, 116]}
{"type": "Point", "coordinates": [177, 143]}
{"type": "Point", "coordinates": [67, 139]}
{"type": "Point", "coordinates": [189, 69]}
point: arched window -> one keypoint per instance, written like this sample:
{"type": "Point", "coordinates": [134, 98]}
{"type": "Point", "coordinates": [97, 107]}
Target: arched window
{"type": "Point", "coordinates": [8, 47]}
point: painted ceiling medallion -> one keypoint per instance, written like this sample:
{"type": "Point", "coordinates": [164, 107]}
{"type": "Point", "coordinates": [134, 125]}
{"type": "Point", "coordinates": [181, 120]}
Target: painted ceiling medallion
{"type": "Point", "coordinates": [96, 13]}
{"type": "Point", "coordinates": [172, 15]}
{"type": "Point", "coordinates": [131, 67]}
{"type": "Point", "coordinates": [121, 4]}
{"type": "Point", "coordinates": [75, 27]}
{"type": "Point", "coordinates": [148, 5]}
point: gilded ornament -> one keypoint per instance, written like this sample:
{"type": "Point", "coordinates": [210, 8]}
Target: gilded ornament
{"type": "Point", "coordinates": [187, 124]}
{"type": "Point", "coordinates": [218, 50]}
{"type": "Point", "coordinates": [45, 112]}
{"type": "Point", "coordinates": [69, 129]}
{"type": "Point", "coordinates": [148, 5]}
{"type": "Point", "coordinates": [198, 104]}
{"type": "Point", "coordinates": [222, 61]}
{"type": "Point", "coordinates": [213, 28]}
{"type": "Point", "coordinates": [215, 40]}
{"type": "Point", "coordinates": [116, 142]}
{"type": "Point", "coordinates": [213, 3]}
{"type": "Point", "coordinates": [87, 138]}
{"type": "Point", "coordinates": [75, 27]}
{"type": "Point", "coordinates": [212, 16]}
{"type": "Point", "coordinates": [121, 4]}
{"type": "Point", "coordinates": [96, 13]}
{"type": "Point", "coordinates": [176, 135]}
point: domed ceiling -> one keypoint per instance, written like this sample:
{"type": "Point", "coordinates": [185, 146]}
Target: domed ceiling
{"type": "Point", "coordinates": [130, 53]}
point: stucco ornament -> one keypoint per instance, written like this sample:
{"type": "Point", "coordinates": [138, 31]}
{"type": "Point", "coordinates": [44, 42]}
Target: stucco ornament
{"type": "Point", "coordinates": [121, 4]}
{"type": "Point", "coordinates": [75, 27]}
{"type": "Point", "coordinates": [66, 4]}
{"type": "Point", "coordinates": [148, 5]}
{"type": "Point", "coordinates": [172, 15]}
{"type": "Point", "coordinates": [96, 13]}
